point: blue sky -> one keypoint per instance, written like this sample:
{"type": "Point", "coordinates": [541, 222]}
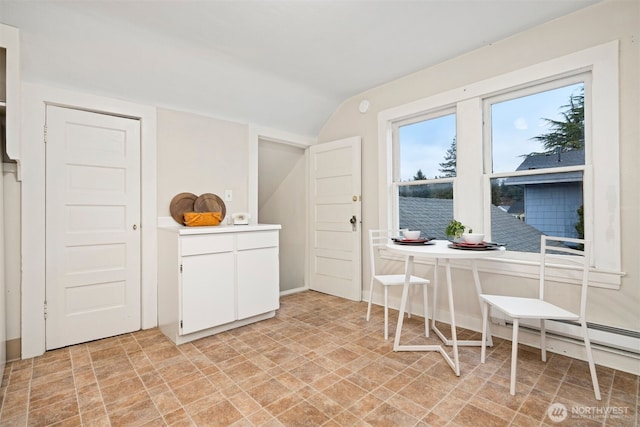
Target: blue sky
{"type": "Point", "coordinates": [424, 145]}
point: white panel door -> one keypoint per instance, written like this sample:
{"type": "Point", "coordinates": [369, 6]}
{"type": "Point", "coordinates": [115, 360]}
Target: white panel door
{"type": "Point", "coordinates": [92, 226]}
{"type": "Point", "coordinates": [335, 218]}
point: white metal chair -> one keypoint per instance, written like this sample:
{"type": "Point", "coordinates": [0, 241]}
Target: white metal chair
{"type": "Point", "coordinates": [378, 239]}
{"type": "Point", "coordinates": [554, 254]}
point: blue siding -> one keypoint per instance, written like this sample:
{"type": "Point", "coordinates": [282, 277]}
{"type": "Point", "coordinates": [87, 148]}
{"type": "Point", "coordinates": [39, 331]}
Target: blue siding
{"type": "Point", "coordinates": [552, 208]}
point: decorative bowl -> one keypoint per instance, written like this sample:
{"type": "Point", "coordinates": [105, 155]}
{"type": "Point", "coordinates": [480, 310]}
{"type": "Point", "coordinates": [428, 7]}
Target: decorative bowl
{"type": "Point", "coordinates": [411, 235]}
{"type": "Point", "coordinates": [472, 237]}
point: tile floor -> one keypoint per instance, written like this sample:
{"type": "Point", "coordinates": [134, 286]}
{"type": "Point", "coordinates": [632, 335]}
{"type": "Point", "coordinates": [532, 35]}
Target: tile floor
{"type": "Point", "coordinates": [317, 363]}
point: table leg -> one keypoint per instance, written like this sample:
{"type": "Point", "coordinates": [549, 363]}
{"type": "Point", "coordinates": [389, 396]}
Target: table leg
{"type": "Point", "coordinates": [478, 286]}
{"type": "Point", "coordinates": [435, 295]}
{"type": "Point", "coordinates": [454, 335]}
{"type": "Point", "coordinates": [454, 364]}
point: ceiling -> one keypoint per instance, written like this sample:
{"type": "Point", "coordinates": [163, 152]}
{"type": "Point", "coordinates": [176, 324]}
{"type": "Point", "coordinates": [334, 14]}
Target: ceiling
{"type": "Point", "coordinates": [282, 64]}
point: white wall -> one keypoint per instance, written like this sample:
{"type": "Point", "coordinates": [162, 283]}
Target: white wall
{"type": "Point", "coordinates": [199, 154]}
{"type": "Point", "coordinates": [604, 22]}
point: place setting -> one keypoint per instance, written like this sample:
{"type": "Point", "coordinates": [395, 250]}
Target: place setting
{"type": "Point", "coordinates": [466, 239]}
{"type": "Point", "coordinates": [473, 242]}
{"type": "Point", "coordinates": [412, 238]}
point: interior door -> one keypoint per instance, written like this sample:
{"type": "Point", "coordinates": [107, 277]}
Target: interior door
{"type": "Point", "coordinates": [335, 218]}
{"type": "Point", "coordinates": [92, 226]}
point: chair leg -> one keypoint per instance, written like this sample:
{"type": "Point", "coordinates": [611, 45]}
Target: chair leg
{"type": "Point", "coordinates": [514, 356]}
{"type": "Point", "coordinates": [543, 339]}
{"type": "Point", "coordinates": [410, 302]}
{"type": "Point", "coordinates": [386, 313]}
{"type": "Point", "coordinates": [485, 315]}
{"type": "Point", "coordinates": [592, 366]}
{"type": "Point", "coordinates": [370, 298]}
{"type": "Point", "coordinates": [425, 295]}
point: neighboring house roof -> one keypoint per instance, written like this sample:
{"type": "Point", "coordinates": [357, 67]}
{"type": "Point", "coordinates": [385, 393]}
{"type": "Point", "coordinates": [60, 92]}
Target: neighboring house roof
{"type": "Point", "coordinates": [546, 161]}
{"type": "Point", "coordinates": [431, 216]}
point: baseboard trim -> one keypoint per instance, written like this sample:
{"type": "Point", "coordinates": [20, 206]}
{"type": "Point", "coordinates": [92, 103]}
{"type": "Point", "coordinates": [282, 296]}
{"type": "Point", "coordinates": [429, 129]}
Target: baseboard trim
{"type": "Point", "coordinates": [294, 291]}
{"type": "Point", "coordinates": [14, 349]}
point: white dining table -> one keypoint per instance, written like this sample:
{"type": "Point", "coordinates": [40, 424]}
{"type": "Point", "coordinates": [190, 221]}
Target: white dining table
{"type": "Point", "coordinates": [440, 251]}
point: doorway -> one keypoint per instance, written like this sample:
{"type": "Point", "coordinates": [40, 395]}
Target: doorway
{"type": "Point", "coordinates": [282, 199]}
{"type": "Point", "coordinates": [35, 99]}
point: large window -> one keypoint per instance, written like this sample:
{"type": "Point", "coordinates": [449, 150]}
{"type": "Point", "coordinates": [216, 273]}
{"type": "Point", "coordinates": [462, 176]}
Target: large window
{"type": "Point", "coordinates": [424, 175]}
{"type": "Point", "coordinates": [531, 152]}
{"type": "Point", "coordinates": [536, 140]}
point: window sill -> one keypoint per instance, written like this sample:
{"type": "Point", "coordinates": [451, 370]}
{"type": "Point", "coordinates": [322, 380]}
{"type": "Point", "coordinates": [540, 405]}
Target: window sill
{"type": "Point", "coordinates": [511, 265]}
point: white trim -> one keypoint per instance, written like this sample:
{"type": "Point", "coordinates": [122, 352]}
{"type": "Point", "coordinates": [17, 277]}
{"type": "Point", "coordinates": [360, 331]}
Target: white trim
{"type": "Point", "coordinates": [602, 62]}
{"type": "Point", "coordinates": [35, 98]}
{"type": "Point", "coordinates": [256, 133]}
{"type": "Point", "coordinates": [294, 291]}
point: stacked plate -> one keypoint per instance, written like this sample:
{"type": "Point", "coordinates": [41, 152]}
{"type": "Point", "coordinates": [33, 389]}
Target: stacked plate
{"type": "Point", "coordinates": [403, 241]}
{"type": "Point", "coordinates": [484, 246]}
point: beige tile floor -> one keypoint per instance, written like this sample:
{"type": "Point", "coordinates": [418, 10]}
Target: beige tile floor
{"type": "Point", "coordinates": [317, 363]}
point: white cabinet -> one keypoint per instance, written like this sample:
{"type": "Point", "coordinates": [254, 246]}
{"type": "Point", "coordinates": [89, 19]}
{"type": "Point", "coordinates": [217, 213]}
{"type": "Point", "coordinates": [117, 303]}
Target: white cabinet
{"type": "Point", "coordinates": [208, 291]}
{"type": "Point", "coordinates": [211, 279]}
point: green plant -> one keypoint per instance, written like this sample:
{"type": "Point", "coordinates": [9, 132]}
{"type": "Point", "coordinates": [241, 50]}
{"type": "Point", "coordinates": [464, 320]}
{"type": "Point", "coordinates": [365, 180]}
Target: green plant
{"type": "Point", "coordinates": [455, 229]}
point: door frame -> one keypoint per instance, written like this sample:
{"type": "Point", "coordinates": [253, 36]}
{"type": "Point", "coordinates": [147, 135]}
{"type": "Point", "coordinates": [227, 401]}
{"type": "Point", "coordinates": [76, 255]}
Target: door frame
{"type": "Point", "coordinates": [257, 133]}
{"type": "Point", "coordinates": [35, 98]}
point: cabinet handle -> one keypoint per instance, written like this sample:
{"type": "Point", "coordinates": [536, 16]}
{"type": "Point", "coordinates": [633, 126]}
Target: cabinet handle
{"type": "Point", "coordinates": [135, 227]}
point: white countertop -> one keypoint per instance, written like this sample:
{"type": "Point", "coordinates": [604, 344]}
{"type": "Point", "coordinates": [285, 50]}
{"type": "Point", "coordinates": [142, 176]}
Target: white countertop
{"type": "Point", "coordinates": [184, 230]}
{"type": "Point", "coordinates": [441, 249]}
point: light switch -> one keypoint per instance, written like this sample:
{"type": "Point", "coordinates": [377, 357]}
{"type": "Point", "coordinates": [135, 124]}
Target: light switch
{"type": "Point", "coordinates": [228, 195]}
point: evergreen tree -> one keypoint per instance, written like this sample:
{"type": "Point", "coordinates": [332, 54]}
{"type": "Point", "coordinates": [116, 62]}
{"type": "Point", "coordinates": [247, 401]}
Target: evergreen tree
{"type": "Point", "coordinates": [419, 176]}
{"type": "Point", "coordinates": [448, 167]}
{"type": "Point", "coordinates": [566, 134]}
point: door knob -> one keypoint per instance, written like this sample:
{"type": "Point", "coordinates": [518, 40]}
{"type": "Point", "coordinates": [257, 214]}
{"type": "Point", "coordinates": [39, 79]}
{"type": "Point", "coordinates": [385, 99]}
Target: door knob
{"type": "Point", "coordinates": [135, 227]}
{"type": "Point", "coordinates": [354, 223]}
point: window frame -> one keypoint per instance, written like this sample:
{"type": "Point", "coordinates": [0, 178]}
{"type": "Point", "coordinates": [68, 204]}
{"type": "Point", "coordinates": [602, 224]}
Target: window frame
{"type": "Point", "coordinates": [472, 195]}
{"type": "Point", "coordinates": [396, 181]}
{"type": "Point", "coordinates": [527, 90]}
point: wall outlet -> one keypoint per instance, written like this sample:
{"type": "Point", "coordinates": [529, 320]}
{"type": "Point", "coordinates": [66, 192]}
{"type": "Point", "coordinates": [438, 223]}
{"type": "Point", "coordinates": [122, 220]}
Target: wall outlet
{"type": "Point", "coordinates": [228, 195]}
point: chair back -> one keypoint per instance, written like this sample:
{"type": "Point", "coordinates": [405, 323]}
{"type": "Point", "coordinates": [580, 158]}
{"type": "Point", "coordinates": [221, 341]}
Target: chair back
{"type": "Point", "coordinates": [379, 239]}
{"type": "Point", "coordinates": [567, 254]}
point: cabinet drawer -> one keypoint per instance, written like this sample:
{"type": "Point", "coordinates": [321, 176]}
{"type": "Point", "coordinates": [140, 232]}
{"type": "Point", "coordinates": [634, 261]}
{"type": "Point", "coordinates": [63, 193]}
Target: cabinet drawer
{"type": "Point", "coordinates": [257, 239]}
{"type": "Point", "coordinates": [206, 244]}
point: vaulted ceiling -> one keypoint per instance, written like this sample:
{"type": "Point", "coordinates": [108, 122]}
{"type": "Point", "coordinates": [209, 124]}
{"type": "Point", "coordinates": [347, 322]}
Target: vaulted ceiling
{"type": "Point", "coordinates": [283, 64]}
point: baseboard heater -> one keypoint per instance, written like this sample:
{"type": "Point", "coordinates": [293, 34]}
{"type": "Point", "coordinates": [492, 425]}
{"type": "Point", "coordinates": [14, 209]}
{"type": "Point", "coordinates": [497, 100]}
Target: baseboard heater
{"type": "Point", "coordinates": [604, 337]}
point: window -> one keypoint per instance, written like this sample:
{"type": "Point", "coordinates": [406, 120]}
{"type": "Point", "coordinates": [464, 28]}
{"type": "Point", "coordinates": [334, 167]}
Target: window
{"type": "Point", "coordinates": [425, 172]}
{"type": "Point", "coordinates": [494, 171]}
{"type": "Point", "coordinates": [536, 140]}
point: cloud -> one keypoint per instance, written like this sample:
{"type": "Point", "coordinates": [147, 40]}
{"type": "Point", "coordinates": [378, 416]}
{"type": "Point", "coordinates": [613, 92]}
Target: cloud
{"type": "Point", "coordinates": [521, 123]}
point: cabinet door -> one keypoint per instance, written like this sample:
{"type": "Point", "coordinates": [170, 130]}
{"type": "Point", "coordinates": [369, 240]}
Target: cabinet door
{"type": "Point", "coordinates": [258, 281]}
{"type": "Point", "coordinates": [207, 290]}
